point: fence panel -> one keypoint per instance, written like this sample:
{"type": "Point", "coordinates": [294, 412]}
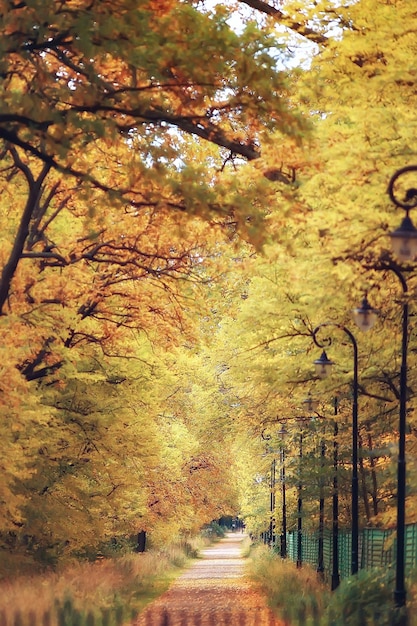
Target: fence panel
{"type": "Point", "coordinates": [376, 549]}
{"type": "Point", "coordinates": [411, 546]}
{"type": "Point", "coordinates": [310, 549]}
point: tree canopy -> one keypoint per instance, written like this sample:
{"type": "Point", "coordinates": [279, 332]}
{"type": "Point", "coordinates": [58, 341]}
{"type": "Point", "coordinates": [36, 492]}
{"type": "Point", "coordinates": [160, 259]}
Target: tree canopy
{"type": "Point", "coordinates": [188, 189]}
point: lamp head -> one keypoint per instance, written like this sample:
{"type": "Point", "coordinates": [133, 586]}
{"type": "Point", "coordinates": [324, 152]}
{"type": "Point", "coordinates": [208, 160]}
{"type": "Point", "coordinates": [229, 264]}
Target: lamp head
{"type": "Point", "coordinates": [404, 240]}
{"type": "Point", "coordinates": [365, 315]}
{"type": "Point", "coordinates": [310, 404]}
{"type": "Point", "coordinates": [323, 365]}
{"type": "Point", "coordinates": [283, 432]}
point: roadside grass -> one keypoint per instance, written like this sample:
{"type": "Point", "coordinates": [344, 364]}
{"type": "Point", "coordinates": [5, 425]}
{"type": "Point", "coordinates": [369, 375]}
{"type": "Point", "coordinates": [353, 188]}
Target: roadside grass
{"type": "Point", "coordinates": [107, 592]}
{"type": "Point", "coordinates": [246, 547]}
{"type": "Point", "coordinates": [298, 596]}
{"type": "Point", "coordinates": [301, 598]}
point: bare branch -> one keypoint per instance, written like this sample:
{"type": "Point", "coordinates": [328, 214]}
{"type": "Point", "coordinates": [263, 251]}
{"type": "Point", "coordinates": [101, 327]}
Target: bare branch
{"type": "Point", "coordinates": [288, 22]}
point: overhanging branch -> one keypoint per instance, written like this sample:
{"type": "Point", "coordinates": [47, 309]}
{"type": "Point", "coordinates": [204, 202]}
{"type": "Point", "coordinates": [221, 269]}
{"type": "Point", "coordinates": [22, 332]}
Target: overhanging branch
{"type": "Point", "coordinates": [298, 27]}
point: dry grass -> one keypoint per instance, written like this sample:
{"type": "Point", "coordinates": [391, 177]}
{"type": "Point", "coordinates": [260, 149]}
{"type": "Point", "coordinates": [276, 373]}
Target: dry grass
{"type": "Point", "coordinates": [297, 595]}
{"type": "Point", "coordinates": [106, 585]}
{"type": "Point", "coordinates": [302, 599]}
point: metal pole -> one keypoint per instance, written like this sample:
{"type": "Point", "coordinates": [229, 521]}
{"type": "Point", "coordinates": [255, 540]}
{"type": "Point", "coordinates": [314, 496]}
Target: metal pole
{"type": "Point", "coordinates": [355, 480]}
{"type": "Point", "coordinates": [320, 560]}
{"type": "Point", "coordinates": [284, 508]}
{"type": "Point", "coordinates": [300, 510]}
{"type": "Point", "coordinates": [272, 508]}
{"type": "Point", "coordinates": [407, 230]}
{"type": "Point", "coordinates": [335, 522]}
{"type": "Point", "coordinates": [400, 591]}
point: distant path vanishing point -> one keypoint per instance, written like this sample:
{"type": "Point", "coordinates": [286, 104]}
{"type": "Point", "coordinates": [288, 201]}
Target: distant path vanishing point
{"type": "Point", "coordinates": [212, 592]}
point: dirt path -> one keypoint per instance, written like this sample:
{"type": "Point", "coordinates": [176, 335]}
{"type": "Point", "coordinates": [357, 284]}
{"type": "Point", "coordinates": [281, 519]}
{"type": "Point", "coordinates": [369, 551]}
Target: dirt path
{"type": "Point", "coordinates": [212, 592]}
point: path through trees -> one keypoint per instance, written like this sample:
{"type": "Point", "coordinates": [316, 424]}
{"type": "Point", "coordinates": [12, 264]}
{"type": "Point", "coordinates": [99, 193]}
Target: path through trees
{"type": "Point", "coordinates": [213, 592]}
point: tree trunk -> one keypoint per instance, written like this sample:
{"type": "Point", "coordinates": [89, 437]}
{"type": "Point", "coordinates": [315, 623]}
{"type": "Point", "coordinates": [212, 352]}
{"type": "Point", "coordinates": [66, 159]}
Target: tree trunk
{"type": "Point", "coordinates": [141, 547]}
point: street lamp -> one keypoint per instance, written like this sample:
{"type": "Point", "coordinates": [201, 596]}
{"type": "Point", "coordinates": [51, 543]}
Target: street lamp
{"type": "Point", "coordinates": [269, 537]}
{"type": "Point", "coordinates": [335, 580]}
{"type": "Point", "coordinates": [283, 433]}
{"type": "Point", "coordinates": [310, 406]}
{"type": "Point", "coordinates": [404, 238]}
{"type": "Point", "coordinates": [404, 245]}
{"type": "Point", "coordinates": [320, 555]}
{"type": "Point", "coordinates": [323, 367]}
{"type": "Point", "coordinates": [272, 505]}
{"type": "Point", "coordinates": [300, 504]}
{"type": "Point", "coordinates": [365, 315]}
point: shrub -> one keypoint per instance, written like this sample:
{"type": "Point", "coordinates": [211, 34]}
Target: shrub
{"type": "Point", "coordinates": [301, 598]}
{"type": "Point", "coordinates": [365, 599]}
{"type": "Point", "coordinates": [213, 530]}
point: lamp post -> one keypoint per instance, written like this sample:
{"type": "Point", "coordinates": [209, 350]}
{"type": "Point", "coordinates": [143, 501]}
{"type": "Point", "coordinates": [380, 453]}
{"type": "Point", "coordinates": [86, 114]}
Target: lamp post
{"type": "Point", "coordinates": [269, 536]}
{"type": "Point", "coordinates": [283, 432]}
{"type": "Point", "coordinates": [272, 505]}
{"type": "Point", "coordinates": [335, 580]}
{"type": "Point", "coordinates": [323, 367]}
{"type": "Point", "coordinates": [310, 406]}
{"type": "Point", "coordinates": [300, 505]}
{"type": "Point", "coordinates": [335, 576]}
{"type": "Point", "coordinates": [404, 244]}
{"type": "Point", "coordinates": [320, 555]}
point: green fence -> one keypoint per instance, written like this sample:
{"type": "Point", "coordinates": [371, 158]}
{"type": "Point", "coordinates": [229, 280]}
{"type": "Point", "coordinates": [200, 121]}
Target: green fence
{"type": "Point", "coordinates": [376, 549]}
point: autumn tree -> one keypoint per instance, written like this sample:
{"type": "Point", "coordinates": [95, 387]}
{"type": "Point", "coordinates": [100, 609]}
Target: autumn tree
{"type": "Point", "coordinates": [330, 244]}
{"type": "Point", "coordinates": [104, 113]}
{"type": "Point", "coordinates": [108, 96]}
{"type": "Point", "coordinates": [139, 142]}
{"type": "Point", "coordinates": [94, 116]}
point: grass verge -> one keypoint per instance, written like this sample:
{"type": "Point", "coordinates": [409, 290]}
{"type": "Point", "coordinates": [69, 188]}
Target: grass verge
{"type": "Point", "coordinates": [301, 598]}
{"type": "Point", "coordinates": [298, 596]}
{"type": "Point", "coordinates": [108, 592]}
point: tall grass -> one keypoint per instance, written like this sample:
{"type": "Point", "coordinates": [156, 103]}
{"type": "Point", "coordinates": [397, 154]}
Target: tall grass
{"type": "Point", "coordinates": [297, 595]}
{"type": "Point", "coordinates": [301, 598]}
{"type": "Point", "coordinates": [108, 590]}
